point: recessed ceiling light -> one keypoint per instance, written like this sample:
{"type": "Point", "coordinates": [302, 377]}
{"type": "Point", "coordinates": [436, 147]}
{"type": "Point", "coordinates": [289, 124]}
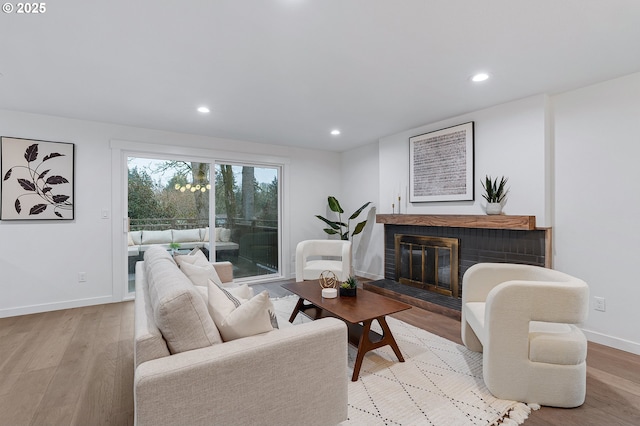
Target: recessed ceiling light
{"type": "Point", "coordinates": [335, 132]}
{"type": "Point", "coordinates": [480, 77]}
{"type": "Point", "coordinates": [203, 109]}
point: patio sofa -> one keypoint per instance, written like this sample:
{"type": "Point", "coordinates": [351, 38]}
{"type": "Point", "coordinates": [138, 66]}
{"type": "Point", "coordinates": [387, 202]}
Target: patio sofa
{"type": "Point", "coordinates": [185, 375]}
{"type": "Point", "coordinates": [140, 241]}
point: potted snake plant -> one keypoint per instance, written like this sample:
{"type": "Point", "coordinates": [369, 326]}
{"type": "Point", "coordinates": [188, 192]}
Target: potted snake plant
{"type": "Point", "coordinates": [495, 193]}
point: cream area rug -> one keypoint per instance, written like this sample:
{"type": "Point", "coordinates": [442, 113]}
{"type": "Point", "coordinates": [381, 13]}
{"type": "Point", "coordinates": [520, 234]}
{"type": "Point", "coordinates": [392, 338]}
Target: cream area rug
{"type": "Point", "coordinates": [440, 383]}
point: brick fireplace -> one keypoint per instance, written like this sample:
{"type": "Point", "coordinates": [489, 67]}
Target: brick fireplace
{"type": "Point", "coordinates": [480, 238]}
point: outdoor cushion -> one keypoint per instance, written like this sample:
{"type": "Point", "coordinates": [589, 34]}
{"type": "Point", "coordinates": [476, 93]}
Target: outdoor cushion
{"type": "Point", "coordinates": [156, 237]}
{"type": "Point", "coordinates": [204, 234]}
{"type": "Point", "coordinates": [136, 236]}
{"type": "Point", "coordinates": [225, 235]}
{"type": "Point", "coordinates": [186, 235]}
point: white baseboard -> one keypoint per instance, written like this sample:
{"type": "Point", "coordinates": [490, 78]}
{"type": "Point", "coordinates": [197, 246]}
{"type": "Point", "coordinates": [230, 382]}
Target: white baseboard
{"type": "Point", "coordinates": [613, 342]}
{"type": "Point", "coordinates": [46, 307]}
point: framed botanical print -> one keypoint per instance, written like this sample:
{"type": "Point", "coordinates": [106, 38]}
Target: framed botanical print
{"type": "Point", "coordinates": [37, 180]}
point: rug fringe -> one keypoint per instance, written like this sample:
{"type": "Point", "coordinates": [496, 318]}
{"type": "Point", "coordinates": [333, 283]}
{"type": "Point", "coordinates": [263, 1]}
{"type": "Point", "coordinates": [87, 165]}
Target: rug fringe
{"type": "Point", "coordinates": [517, 414]}
{"type": "Point", "coordinates": [290, 296]}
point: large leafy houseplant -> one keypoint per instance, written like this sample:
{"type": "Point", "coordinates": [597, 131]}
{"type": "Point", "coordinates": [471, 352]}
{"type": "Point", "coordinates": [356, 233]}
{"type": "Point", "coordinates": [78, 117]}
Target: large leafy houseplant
{"type": "Point", "coordinates": [339, 227]}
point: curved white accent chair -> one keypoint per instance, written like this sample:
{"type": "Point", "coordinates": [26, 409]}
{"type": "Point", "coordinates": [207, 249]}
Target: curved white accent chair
{"type": "Point", "coordinates": [522, 318]}
{"type": "Point", "coordinates": [315, 256]}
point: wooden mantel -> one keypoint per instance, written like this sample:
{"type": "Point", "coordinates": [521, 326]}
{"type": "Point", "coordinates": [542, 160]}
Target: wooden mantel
{"type": "Point", "coordinates": [523, 223]}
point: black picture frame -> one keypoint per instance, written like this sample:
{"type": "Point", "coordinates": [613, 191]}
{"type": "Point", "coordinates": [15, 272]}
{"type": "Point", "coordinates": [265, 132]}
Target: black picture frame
{"type": "Point", "coordinates": [441, 165]}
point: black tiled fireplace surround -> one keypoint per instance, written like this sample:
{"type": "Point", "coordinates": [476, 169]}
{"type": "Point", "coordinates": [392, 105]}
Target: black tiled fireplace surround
{"type": "Point", "coordinates": [476, 245]}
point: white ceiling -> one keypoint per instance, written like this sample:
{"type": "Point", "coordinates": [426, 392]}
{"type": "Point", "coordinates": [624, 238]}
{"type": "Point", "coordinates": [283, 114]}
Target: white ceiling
{"type": "Point", "coordinates": [289, 71]}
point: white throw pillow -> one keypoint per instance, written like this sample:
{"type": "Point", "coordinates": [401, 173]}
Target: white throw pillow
{"type": "Point", "coordinates": [131, 243]}
{"type": "Point", "coordinates": [195, 257]}
{"type": "Point", "coordinates": [218, 234]}
{"type": "Point", "coordinates": [225, 235]}
{"type": "Point", "coordinates": [237, 318]}
{"type": "Point", "coordinates": [200, 274]}
{"type": "Point", "coordinates": [243, 292]}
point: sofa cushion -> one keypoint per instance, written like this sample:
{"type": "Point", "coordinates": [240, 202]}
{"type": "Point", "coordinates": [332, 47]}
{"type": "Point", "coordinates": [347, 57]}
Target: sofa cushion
{"type": "Point", "coordinates": [149, 343]}
{"type": "Point", "coordinates": [156, 237]}
{"type": "Point", "coordinates": [156, 254]}
{"type": "Point", "coordinates": [236, 317]}
{"type": "Point", "coordinates": [186, 235]}
{"type": "Point", "coordinates": [179, 311]}
{"type": "Point", "coordinates": [313, 268]}
{"type": "Point", "coordinates": [554, 343]}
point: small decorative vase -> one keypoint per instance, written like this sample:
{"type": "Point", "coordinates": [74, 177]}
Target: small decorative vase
{"type": "Point", "coordinates": [348, 292]}
{"type": "Point", "coordinates": [494, 208]}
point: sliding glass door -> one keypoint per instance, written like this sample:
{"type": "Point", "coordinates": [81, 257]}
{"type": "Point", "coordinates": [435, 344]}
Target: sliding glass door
{"type": "Point", "coordinates": [168, 204]}
{"type": "Point", "coordinates": [247, 219]}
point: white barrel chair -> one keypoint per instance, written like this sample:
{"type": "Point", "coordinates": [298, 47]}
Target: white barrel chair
{"type": "Point", "coordinates": [522, 318]}
{"type": "Point", "coordinates": [315, 256]}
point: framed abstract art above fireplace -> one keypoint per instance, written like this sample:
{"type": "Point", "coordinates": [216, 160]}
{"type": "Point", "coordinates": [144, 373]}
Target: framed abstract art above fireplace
{"type": "Point", "coordinates": [441, 165]}
{"type": "Point", "coordinates": [37, 180]}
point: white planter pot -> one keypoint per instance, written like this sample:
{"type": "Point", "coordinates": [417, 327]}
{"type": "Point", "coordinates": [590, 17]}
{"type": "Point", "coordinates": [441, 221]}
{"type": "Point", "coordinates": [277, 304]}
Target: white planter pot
{"type": "Point", "coordinates": [494, 208]}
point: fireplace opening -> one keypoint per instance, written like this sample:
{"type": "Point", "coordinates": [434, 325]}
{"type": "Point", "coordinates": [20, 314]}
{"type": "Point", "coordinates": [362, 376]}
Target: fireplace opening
{"type": "Point", "coordinates": [430, 263]}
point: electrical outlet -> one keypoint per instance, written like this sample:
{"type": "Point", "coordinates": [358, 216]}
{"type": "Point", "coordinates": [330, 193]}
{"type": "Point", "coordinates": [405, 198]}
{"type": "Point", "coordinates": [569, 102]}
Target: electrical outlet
{"type": "Point", "coordinates": [82, 277]}
{"type": "Point", "coordinates": [598, 304]}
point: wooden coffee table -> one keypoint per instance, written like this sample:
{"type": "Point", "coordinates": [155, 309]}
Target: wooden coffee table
{"type": "Point", "coordinates": [363, 308]}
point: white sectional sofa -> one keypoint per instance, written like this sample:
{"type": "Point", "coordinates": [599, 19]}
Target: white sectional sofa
{"type": "Point", "coordinates": [184, 375]}
{"type": "Point", "coordinates": [140, 241]}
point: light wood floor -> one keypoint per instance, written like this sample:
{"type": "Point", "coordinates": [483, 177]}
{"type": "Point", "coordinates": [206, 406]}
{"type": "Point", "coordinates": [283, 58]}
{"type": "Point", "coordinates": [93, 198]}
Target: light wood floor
{"type": "Point", "coordinates": [75, 367]}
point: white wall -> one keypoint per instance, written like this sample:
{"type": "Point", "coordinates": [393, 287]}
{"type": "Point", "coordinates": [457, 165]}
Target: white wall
{"type": "Point", "coordinates": [360, 176]}
{"type": "Point", "coordinates": [39, 261]}
{"type": "Point", "coordinates": [509, 141]}
{"type": "Point", "coordinates": [597, 202]}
